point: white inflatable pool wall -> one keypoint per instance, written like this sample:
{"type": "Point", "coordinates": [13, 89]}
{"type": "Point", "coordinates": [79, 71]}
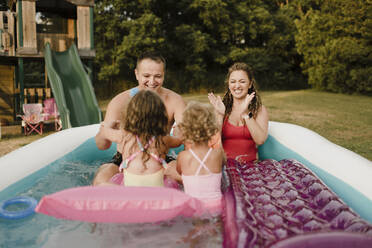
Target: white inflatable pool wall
{"type": "Point", "coordinates": [36, 155]}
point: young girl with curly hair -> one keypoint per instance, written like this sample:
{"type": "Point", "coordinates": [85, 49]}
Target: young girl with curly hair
{"type": "Point", "coordinates": [200, 166]}
{"type": "Point", "coordinates": [144, 139]}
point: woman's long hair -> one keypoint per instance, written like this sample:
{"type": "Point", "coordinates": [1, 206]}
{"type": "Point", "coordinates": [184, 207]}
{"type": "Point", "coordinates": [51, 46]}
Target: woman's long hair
{"type": "Point", "coordinates": [228, 100]}
{"type": "Point", "coordinates": [146, 117]}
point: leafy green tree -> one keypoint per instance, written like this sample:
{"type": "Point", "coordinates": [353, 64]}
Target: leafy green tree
{"type": "Point", "coordinates": [335, 40]}
{"type": "Point", "coordinates": [200, 39]}
{"type": "Point", "coordinates": [122, 30]}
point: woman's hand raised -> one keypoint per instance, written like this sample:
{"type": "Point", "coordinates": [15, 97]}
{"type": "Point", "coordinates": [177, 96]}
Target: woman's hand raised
{"type": "Point", "coordinates": [217, 103]}
{"type": "Point", "coordinates": [248, 99]}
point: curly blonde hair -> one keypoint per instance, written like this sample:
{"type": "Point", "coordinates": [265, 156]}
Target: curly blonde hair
{"type": "Point", "coordinates": [146, 117]}
{"type": "Point", "coordinates": [199, 122]}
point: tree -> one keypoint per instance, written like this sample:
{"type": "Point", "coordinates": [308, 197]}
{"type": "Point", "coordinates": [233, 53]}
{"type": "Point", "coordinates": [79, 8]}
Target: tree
{"type": "Point", "coordinates": [201, 39]}
{"type": "Point", "coordinates": [122, 30]}
{"type": "Point", "coordinates": [336, 43]}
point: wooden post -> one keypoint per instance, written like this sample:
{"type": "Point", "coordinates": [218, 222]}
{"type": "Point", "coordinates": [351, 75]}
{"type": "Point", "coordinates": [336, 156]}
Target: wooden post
{"type": "Point", "coordinates": [11, 31]}
{"type": "Point", "coordinates": [32, 92]}
{"type": "Point", "coordinates": [27, 43]}
{"type": "Point", "coordinates": [91, 27]}
{"type": "Point", "coordinates": [1, 20]}
{"type": "Point", "coordinates": [71, 33]}
{"type": "Point", "coordinates": [1, 30]}
{"type": "Point", "coordinates": [21, 80]}
{"type": "Point", "coordinates": [29, 27]}
{"type": "Point", "coordinates": [19, 24]}
{"type": "Point", "coordinates": [48, 93]}
{"type": "Point", "coordinates": [25, 93]}
{"type": "Point", "coordinates": [83, 27]}
{"type": "Point", "coordinates": [40, 95]}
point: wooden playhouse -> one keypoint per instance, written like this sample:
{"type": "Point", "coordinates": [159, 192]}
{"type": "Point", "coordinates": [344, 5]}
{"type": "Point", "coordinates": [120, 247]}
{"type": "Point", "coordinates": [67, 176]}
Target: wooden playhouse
{"type": "Point", "coordinates": [25, 26]}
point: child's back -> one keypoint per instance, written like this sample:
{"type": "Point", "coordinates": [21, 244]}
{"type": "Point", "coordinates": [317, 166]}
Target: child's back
{"type": "Point", "coordinates": [140, 172]}
{"type": "Point", "coordinates": [201, 166]}
{"type": "Point", "coordinates": [144, 140]}
{"type": "Point", "coordinates": [201, 171]}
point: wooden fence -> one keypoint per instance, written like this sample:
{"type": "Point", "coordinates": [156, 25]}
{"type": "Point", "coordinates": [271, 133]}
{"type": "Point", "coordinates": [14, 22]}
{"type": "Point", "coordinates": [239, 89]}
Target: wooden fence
{"type": "Point", "coordinates": [36, 95]}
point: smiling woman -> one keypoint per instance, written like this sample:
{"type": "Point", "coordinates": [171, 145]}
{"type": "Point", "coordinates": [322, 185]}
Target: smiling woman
{"type": "Point", "coordinates": [243, 118]}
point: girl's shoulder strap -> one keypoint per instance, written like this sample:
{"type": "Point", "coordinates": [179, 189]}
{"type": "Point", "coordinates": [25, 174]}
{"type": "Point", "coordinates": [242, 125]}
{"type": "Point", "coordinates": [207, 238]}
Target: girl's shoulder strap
{"type": "Point", "coordinates": [142, 148]}
{"type": "Point", "coordinates": [201, 161]}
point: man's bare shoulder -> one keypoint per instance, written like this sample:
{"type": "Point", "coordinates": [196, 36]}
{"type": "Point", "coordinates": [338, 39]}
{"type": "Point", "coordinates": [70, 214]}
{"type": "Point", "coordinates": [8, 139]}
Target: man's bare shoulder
{"type": "Point", "coordinates": [171, 96]}
{"type": "Point", "coordinates": [121, 97]}
{"type": "Point", "coordinates": [174, 103]}
{"type": "Point", "coordinates": [116, 106]}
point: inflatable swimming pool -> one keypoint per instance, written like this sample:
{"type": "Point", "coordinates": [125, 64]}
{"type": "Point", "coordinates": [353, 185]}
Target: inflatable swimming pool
{"type": "Point", "coordinates": [346, 173]}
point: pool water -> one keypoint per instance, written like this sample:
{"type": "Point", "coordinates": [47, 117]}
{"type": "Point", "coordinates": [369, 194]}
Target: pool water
{"type": "Point", "coordinates": [40, 230]}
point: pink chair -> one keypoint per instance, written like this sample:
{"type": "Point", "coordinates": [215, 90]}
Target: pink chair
{"type": "Point", "coordinates": [32, 119]}
{"type": "Point", "coordinates": [51, 113]}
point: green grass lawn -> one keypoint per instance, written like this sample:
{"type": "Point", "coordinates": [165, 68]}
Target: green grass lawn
{"type": "Point", "coordinates": [342, 119]}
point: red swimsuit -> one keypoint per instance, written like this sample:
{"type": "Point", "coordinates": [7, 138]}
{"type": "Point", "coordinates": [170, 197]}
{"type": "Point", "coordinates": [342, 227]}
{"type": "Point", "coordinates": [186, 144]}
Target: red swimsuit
{"type": "Point", "coordinates": [237, 140]}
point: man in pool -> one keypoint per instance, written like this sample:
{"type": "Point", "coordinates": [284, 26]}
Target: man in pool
{"type": "Point", "coordinates": [150, 72]}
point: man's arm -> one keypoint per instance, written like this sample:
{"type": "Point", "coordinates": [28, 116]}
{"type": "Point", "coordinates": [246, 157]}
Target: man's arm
{"type": "Point", "coordinates": [112, 119]}
{"type": "Point", "coordinates": [179, 107]}
{"type": "Point", "coordinates": [172, 141]}
{"type": "Point", "coordinates": [112, 134]}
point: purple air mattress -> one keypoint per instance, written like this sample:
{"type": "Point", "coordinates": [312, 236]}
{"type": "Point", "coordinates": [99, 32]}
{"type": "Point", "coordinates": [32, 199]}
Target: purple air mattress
{"type": "Point", "coordinates": [283, 204]}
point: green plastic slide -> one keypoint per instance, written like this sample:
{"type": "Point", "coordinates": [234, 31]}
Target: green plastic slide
{"type": "Point", "coordinates": [72, 88]}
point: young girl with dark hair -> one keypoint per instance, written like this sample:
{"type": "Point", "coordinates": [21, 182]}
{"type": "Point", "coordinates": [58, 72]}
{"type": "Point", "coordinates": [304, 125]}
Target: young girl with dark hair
{"type": "Point", "coordinates": [144, 140]}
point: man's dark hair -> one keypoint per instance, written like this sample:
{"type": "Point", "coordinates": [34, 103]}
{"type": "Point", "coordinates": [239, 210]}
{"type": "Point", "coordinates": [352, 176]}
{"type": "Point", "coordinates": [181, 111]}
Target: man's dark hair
{"type": "Point", "coordinates": [153, 55]}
